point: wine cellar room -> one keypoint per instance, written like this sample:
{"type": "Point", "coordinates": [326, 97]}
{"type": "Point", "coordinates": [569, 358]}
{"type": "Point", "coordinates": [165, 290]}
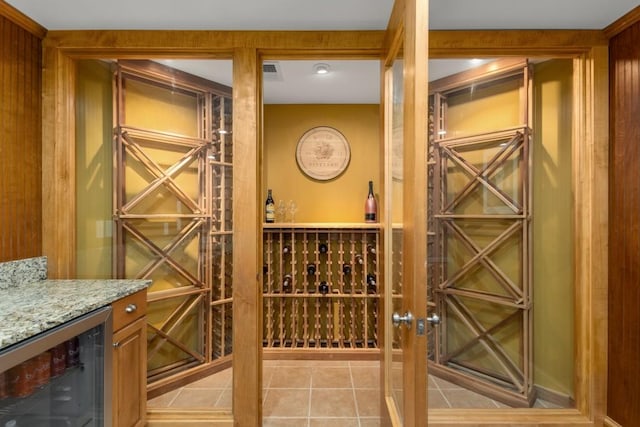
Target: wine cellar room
{"type": "Point", "coordinates": [154, 173]}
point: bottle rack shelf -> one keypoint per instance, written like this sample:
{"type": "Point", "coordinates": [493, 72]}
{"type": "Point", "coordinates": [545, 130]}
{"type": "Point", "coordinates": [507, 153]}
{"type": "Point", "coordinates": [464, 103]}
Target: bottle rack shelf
{"type": "Point", "coordinates": [321, 286]}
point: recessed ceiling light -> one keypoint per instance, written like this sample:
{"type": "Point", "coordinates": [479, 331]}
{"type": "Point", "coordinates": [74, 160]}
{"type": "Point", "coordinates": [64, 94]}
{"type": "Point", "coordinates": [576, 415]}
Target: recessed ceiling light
{"type": "Point", "coordinates": [321, 68]}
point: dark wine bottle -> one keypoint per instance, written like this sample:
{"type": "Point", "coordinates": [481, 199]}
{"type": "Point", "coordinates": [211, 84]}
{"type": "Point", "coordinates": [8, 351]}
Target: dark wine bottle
{"type": "Point", "coordinates": [287, 284]}
{"type": "Point", "coordinates": [286, 249]}
{"type": "Point", "coordinates": [265, 268]}
{"type": "Point", "coordinates": [323, 248]}
{"type": "Point", "coordinates": [358, 259]}
{"type": "Point", "coordinates": [346, 269]}
{"type": "Point", "coordinates": [370, 206]}
{"type": "Point", "coordinates": [372, 286]}
{"type": "Point", "coordinates": [311, 270]}
{"type": "Point", "coordinates": [371, 249]}
{"type": "Point", "coordinates": [323, 288]}
{"type": "Point", "coordinates": [270, 208]}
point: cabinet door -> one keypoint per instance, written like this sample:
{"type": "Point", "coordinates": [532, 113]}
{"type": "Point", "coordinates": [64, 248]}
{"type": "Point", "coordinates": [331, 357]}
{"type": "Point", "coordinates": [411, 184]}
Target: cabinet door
{"type": "Point", "coordinates": [130, 375]}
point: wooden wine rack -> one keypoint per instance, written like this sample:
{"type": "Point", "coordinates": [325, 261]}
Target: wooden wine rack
{"type": "Point", "coordinates": [300, 312]}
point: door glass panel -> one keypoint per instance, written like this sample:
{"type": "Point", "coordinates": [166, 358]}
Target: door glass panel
{"type": "Point", "coordinates": [397, 211]}
{"type": "Point", "coordinates": [155, 171]}
{"type": "Point", "coordinates": [500, 241]}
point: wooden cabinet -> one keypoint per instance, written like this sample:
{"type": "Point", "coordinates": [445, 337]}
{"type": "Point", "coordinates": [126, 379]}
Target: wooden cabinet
{"type": "Point", "coordinates": [129, 404]}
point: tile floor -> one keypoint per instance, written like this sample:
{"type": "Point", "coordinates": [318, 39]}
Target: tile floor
{"type": "Point", "coordinates": [316, 393]}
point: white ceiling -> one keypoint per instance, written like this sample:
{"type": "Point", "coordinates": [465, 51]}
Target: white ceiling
{"type": "Point", "coordinates": [349, 81]}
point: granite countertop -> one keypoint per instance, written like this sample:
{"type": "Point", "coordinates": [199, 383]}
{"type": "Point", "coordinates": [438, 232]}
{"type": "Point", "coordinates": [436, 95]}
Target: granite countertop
{"type": "Point", "coordinates": [30, 308]}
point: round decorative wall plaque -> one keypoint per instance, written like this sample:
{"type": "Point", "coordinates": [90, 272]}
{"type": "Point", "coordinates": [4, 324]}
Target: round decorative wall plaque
{"type": "Point", "coordinates": [323, 153]}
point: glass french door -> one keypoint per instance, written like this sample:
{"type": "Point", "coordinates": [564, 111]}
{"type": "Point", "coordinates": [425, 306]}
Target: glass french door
{"type": "Point", "coordinates": [404, 366]}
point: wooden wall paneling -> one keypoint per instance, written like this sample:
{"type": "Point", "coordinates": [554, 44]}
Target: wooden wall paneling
{"type": "Point", "coordinates": [623, 23]}
{"type": "Point", "coordinates": [20, 142]}
{"type": "Point", "coordinates": [623, 406]}
{"type": "Point", "coordinates": [22, 20]}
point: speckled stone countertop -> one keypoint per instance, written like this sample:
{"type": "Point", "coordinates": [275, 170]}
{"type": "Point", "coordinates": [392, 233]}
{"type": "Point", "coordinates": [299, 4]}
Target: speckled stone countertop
{"type": "Point", "coordinates": [30, 308]}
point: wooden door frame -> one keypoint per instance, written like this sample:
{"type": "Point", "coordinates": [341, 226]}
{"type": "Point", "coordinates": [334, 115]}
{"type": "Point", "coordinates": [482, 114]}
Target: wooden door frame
{"type": "Point", "coordinates": [590, 149]}
{"type": "Point", "coordinates": [405, 38]}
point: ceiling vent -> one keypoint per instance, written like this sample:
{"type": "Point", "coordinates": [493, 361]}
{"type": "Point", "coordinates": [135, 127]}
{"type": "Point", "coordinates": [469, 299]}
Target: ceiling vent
{"type": "Point", "coordinates": [271, 71]}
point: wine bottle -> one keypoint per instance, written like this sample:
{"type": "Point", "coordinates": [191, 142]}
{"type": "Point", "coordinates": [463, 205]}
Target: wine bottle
{"type": "Point", "coordinates": [371, 284]}
{"type": "Point", "coordinates": [287, 284]}
{"type": "Point", "coordinates": [323, 288]}
{"type": "Point", "coordinates": [346, 269]}
{"type": "Point", "coordinates": [371, 249]}
{"type": "Point", "coordinates": [323, 248]}
{"type": "Point", "coordinates": [311, 270]}
{"type": "Point", "coordinates": [270, 208]}
{"type": "Point", "coordinates": [359, 260]}
{"type": "Point", "coordinates": [370, 206]}
{"type": "Point", "coordinates": [286, 249]}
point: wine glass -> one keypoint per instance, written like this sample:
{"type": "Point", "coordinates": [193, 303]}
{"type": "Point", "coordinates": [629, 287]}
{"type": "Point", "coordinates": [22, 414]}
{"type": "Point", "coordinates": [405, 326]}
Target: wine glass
{"type": "Point", "coordinates": [293, 208]}
{"type": "Point", "coordinates": [281, 211]}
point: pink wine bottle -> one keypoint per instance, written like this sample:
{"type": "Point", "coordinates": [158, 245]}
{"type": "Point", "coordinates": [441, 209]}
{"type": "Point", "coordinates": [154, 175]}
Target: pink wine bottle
{"type": "Point", "coordinates": [370, 206]}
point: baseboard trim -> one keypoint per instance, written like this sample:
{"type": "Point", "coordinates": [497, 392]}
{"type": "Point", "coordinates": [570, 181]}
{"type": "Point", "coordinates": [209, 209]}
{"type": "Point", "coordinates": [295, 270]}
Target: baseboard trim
{"type": "Point", "coordinates": [190, 418]}
{"type": "Point", "coordinates": [608, 422]}
{"type": "Point", "coordinates": [551, 396]}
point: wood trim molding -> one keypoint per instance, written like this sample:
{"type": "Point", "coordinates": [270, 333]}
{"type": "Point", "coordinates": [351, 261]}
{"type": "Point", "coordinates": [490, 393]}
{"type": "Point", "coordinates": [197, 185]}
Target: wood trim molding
{"type": "Point", "coordinates": [19, 18]}
{"type": "Point", "coordinates": [328, 44]}
{"type": "Point", "coordinates": [560, 43]}
{"type": "Point", "coordinates": [58, 164]}
{"type": "Point", "coordinates": [608, 422]}
{"type": "Point", "coordinates": [623, 23]}
{"type": "Point", "coordinates": [562, 400]}
{"type": "Point", "coordinates": [208, 44]}
{"type": "Point", "coordinates": [395, 30]}
{"type": "Point", "coordinates": [190, 418]}
{"type": "Point", "coordinates": [507, 418]}
{"type": "Point", "coordinates": [590, 182]}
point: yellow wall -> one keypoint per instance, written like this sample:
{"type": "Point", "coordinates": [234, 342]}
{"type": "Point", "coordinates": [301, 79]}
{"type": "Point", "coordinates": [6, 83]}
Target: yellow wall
{"type": "Point", "coordinates": [484, 109]}
{"type": "Point", "coordinates": [341, 199]}
{"type": "Point", "coordinates": [553, 227]}
{"type": "Point", "coordinates": [93, 169]}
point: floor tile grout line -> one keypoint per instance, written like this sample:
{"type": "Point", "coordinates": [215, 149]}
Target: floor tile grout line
{"type": "Point", "coordinates": [309, 397]}
{"type": "Point", "coordinates": [353, 392]}
{"type": "Point", "coordinates": [441, 394]}
{"type": "Point", "coordinates": [175, 397]}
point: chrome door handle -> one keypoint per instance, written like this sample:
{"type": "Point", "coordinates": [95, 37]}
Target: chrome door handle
{"type": "Point", "coordinates": [434, 319]}
{"type": "Point", "coordinates": [131, 308]}
{"type": "Point", "coordinates": [407, 319]}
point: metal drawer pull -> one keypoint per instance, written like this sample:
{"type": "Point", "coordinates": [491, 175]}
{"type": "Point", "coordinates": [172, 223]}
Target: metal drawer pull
{"type": "Point", "coordinates": [131, 308]}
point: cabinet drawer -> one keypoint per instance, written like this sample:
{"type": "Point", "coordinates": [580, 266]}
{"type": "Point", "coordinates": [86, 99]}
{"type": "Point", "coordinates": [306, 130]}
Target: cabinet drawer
{"type": "Point", "coordinates": [128, 309]}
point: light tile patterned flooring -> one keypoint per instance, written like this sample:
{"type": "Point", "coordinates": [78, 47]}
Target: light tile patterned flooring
{"type": "Point", "coordinates": [314, 393]}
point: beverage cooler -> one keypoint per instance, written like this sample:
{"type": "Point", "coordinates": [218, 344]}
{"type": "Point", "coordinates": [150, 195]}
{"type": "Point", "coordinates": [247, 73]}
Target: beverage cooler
{"type": "Point", "coordinates": [61, 377]}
